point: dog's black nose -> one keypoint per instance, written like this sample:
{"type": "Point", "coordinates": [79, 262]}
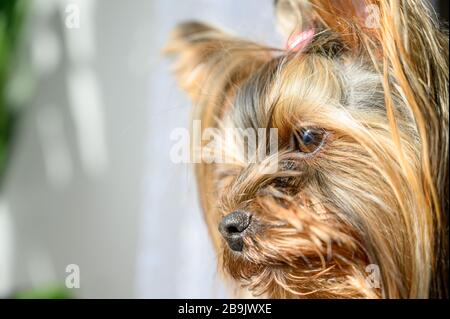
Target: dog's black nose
{"type": "Point", "coordinates": [232, 228]}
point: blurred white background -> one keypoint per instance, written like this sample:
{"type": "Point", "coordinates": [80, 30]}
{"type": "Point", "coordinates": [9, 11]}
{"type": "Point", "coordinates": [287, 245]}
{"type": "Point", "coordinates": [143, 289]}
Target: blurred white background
{"type": "Point", "coordinates": [90, 181]}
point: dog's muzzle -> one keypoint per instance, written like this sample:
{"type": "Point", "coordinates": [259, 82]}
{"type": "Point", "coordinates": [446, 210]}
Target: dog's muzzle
{"type": "Point", "coordinates": [233, 227]}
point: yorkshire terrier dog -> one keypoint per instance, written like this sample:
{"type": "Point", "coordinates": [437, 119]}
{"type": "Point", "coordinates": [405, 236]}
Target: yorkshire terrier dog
{"type": "Point", "coordinates": [359, 101]}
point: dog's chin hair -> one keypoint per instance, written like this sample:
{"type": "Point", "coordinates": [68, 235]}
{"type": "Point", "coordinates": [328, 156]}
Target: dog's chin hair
{"type": "Point", "coordinates": [305, 256]}
{"type": "Point", "coordinates": [374, 191]}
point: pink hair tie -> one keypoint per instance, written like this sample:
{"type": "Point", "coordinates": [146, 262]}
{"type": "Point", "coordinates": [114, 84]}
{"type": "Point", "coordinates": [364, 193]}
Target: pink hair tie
{"type": "Point", "coordinates": [299, 39]}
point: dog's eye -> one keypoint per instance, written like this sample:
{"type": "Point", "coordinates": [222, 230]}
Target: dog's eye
{"type": "Point", "coordinates": [308, 140]}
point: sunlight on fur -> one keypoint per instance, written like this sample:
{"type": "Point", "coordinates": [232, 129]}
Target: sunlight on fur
{"type": "Point", "coordinates": [362, 121]}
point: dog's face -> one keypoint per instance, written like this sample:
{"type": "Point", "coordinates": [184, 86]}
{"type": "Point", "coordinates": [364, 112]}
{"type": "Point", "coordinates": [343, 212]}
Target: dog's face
{"type": "Point", "coordinates": [307, 226]}
{"type": "Point", "coordinates": [341, 208]}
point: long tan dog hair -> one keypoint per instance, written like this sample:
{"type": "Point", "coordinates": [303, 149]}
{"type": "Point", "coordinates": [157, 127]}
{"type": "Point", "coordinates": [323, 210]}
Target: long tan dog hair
{"type": "Point", "coordinates": [374, 191]}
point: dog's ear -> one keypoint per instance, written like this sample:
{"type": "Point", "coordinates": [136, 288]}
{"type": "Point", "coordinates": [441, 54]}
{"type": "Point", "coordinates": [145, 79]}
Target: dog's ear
{"type": "Point", "coordinates": [210, 64]}
{"type": "Point", "coordinates": [348, 19]}
{"type": "Point", "coordinates": [411, 53]}
{"type": "Point", "coordinates": [293, 15]}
